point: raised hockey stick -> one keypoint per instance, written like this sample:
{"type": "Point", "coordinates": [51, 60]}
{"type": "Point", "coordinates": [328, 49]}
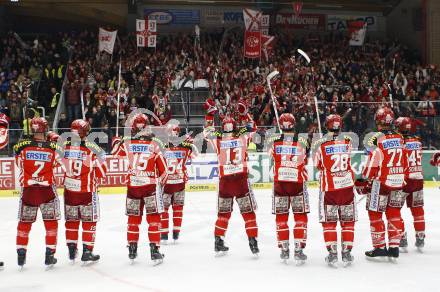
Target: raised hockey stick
{"type": "Point", "coordinates": [307, 58]}
{"type": "Point", "coordinates": [269, 79]}
{"type": "Point", "coordinates": [119, 97]}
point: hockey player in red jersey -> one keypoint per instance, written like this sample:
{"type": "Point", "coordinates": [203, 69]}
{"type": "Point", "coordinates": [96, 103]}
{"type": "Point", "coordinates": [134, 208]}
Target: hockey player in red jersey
{"type": "Point", "coordinates": [84, 165]}
{"type": "Point", "coordinates": [177, 153]}
{"type": "Point", "coordinates": [386, 167]}
{"type": "Point", "coordinates": [289, 153]}
{"type": "Point", "coordinates": [336, 199]}
{"type": "Point", "coordinates": [36, 159]}
{"type": "Point", "coordinates": [413, 190]}
{"type": "Point", "coordinates": [231, 147]}
{"type": "Point", "coordinates": [147, 174]}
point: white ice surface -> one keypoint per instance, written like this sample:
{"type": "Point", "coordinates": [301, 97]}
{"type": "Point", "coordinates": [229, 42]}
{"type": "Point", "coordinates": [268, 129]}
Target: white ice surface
{"type": "Point", "coordinates": [191, 266]}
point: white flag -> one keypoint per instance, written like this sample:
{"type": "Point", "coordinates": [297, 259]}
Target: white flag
{"type": "Point", "coordinates": [107, 40]}
{"type": "Point", "coordinates": [357, 33]}
{"type": "Point", "coordinates": [252, 19]}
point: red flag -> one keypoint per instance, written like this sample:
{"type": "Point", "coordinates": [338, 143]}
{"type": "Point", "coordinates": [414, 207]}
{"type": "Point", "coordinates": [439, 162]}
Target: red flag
{"type": "Point", "coordinates": [252, 44]}
{"type": "Point", "coordinates": [297, 7]}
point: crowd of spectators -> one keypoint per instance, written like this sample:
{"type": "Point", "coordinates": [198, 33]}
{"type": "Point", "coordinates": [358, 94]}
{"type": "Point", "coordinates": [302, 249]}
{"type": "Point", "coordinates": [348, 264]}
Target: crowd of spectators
{"type": "Point", "coordinates": [351, 81]}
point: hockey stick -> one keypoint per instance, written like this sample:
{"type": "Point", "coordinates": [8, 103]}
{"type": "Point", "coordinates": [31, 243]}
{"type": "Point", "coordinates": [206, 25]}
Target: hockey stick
{"type": "Point", "coordinates": [302, 53]}
{"type": "Point", "coordinates": [184, 112]}
{"type": "Point", "coordinates": [268, 79]}
{"type": "Point", "coordinates": [119, 96]}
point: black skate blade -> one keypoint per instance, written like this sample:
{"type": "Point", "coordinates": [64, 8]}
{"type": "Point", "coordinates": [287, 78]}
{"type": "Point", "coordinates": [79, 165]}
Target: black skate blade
{"type": "Point", "coordinates": [219, 254]}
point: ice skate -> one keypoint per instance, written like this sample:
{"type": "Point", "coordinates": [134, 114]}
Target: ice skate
{"type": "Point", "coordinates": [377, 254]}
{"type": "Point", "coordinates": [156, 256]}
{"type": "Point", "coordinates": [420, 241]}
{"type": "Point", "coordinates": [50, 259]}
{"type": "Point", "coordinates": [73, 252]}
{"type": "Point", "coordinates": [219, 247]}
{"type": "Point", "coordinates": [393, 254]}
{"type": "Point", "coordinates": [332, 258]}
{"type": "Point", "coordinates": [88, 257]}
{"type": "Point", "coordinates": [300, 257]}
{"type": "Point", "coordinates": [347, 258]}
{"type": "Point", "coordinates": [21, 257]}
{"type": "Point", "coordinates": [253, 245]}
{"type": "Point", "coordinates": [175, 236]}
{"type": "Point", "coordinates": [285, 252]}
{"type": "Point", "coordinates": [164, 238]}
{"type": "Point", "coordinates": [403, 246]}
{"type": "Point", "coordinates": [2, 265]}
{"type": "Point", "coordinates": [132, 251]}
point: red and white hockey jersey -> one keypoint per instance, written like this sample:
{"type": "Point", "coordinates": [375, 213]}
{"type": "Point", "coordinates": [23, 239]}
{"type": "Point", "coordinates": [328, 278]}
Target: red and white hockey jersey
{"type": "Point", "coordinates": [36, 162]}
{"type": "Point", "coordinates": [289, 154]}
{"type": "Point", "coordinates": [232, 153]}
{"type": "Point", "coordinates": [145, 160]}
{"type": "Point", "coordinates": [413, 148]}
{"type": "Point", "coordinates": [84, 165]}
{"type": "Point", "coordinates": [387, 161]}
{"type": "Point", "coordinates": [176, 158]}
{"type": "Point", "coordinates": [333, 160]}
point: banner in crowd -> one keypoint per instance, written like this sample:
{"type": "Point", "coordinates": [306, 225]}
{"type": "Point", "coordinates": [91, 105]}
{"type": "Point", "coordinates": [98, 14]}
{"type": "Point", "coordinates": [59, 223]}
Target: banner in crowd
{"type": "Point", "coordinates": [107, 40]}
{"type": "Point", "coordinates": [357, 30]}
{"type": "Point", "coordinates": [202, 172]}
{"type": "Point", "coordinates": [252, 19]}
{"type": "Point", "coordinates": [341, 22]}
{"type": "Point", "coordinates": [252, 44]}
{"type": "Point", "coordinates": [302, 21]}
{"type": "Point", "coordinates": [173, 16]}
{"type": "Point", "coordinates": [146, 31]}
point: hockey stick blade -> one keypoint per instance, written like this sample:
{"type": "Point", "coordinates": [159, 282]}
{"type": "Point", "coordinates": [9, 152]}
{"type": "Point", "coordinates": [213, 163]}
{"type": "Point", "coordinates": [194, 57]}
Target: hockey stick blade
{"type": "Point", "coordinates": [302, 53]}
{"type": "Point", "coordinates": [272, 75]}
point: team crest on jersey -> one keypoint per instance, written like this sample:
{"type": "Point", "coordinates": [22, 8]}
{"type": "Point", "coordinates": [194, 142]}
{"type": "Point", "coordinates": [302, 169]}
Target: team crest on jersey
{"type": "Point", "coordinates": [391, 143]}
{"type": "Point", "coordinates": [230, 144]}
{"type": "Point", "coordinates": [287, 150]}
{"type": "Point", "coordinates": [139, 148]}
{"type": "Point", "coordinates": [174, 155]}
{"type": "Point", "coordinates": [336, 149]}
{"type": "Point", "coordinates": [75, 154]}
{"type": "Point", "coordinates": [413, 145]}
{"type": "Point", "coordinates": [38, 156]}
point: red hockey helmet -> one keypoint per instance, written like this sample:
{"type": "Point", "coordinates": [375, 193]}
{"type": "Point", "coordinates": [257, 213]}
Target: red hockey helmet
{"type": "Point", "coordinates": [140, 121]}
{"type": "Point", "coordinates": [287, 122]}
{"type": "Point", "coordinates": [384, 116]}
{"type": "Point", "coordinates": [210, 106]}
{"type": "Point", "coordinates": [333, 122]}
{"type": "Point", "coordinates": [52, 136]}
{"type": "Point", "coordinates": [39, 125]}
{"type": "Point", "coordinates": [403, 124]}
{"type": "Point", "coordinates": [80, 127]}
{"type": "Point", "coordinates": [228, 124]}
{"type": "Point", "coordinates": [174, 129]}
